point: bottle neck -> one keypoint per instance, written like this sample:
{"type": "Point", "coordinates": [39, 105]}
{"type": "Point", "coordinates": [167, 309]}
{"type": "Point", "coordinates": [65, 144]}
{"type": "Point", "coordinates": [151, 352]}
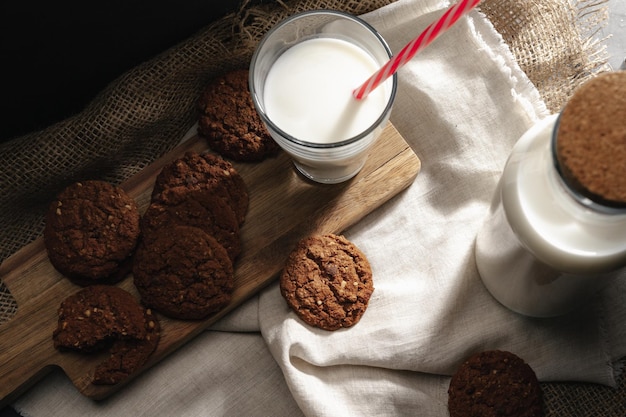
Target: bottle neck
{"type": "Point", "coordinates": [584, 200]}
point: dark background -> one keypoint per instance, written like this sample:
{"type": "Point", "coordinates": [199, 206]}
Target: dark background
{"type": "Point", "coordinates": [56, 56]}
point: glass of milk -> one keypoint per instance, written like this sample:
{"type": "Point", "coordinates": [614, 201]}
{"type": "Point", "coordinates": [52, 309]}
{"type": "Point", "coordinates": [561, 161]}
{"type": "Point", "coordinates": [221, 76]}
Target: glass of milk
{"type": "Point", "coordinates": [301, 78]}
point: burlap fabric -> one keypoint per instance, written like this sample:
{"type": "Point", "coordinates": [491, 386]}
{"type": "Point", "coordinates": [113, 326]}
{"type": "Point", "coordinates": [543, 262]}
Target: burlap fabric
{"type": "Point", "coordinates": [144, 113]}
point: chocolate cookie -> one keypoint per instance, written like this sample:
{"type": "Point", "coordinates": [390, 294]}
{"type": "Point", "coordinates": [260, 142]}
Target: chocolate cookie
{"type": "Point", "coordinates": [91, 231]}
{"type": "Point", "coordinates": [495, 383]}
{"type": "Point", "coordinates": [206, 171]}
{"type": "Point", "coordinates": [230, 123]}
{"type": "Point", "coordinates": [199, 208]}
{"type": "Point", "coordinates": [591, 139]}
{"type": "Point", "coordinates": [106, 317]}
{"type": "Point", "coordinates": [184, 273]}
{"type": "Point", "coordinates": [327, 282]}
{"type": "Point", "coordinates": [89, 318]}
{"type": "Point", "coordinates": [128, 355]}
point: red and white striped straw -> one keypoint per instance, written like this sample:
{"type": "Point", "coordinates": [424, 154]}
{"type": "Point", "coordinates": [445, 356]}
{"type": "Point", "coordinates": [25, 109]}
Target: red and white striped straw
{"type": "Point", "coordinates": [430, 34]}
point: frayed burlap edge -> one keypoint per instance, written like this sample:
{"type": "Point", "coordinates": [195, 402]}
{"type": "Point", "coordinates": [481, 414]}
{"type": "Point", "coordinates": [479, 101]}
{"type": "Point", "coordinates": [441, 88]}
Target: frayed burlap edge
{"type": "Point", "coordinates": [555, 42]}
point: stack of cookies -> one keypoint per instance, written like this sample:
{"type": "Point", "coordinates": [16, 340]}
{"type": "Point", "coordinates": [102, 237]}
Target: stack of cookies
{"type": "Point", "coordinates": [184, 264]}
{"type": "Point", "coordinates": [190, 237]}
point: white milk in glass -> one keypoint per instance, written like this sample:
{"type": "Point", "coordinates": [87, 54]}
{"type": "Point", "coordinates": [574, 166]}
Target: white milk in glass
{"type": "Point", "coordinates": [308, 91]}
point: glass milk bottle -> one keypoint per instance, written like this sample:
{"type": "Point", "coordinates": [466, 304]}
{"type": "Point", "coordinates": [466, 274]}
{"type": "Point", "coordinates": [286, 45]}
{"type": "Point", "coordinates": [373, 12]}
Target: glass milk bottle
{"type": "Point", "coordinates": [556, 229]}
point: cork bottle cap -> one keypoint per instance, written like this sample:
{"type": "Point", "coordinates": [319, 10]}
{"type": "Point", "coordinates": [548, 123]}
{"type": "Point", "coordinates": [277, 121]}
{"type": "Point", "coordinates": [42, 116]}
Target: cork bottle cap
{"type": "Point", "coordinates": [591, 140]}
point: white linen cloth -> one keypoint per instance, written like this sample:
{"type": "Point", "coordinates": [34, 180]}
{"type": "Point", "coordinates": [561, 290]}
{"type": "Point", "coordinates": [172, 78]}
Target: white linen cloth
{"type": "Point", "coordinates": [461, 104]}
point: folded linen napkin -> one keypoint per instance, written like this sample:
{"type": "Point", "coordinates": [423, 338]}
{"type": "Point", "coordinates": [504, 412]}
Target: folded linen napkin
{"type": "Point", "coordinates": [461, 104]}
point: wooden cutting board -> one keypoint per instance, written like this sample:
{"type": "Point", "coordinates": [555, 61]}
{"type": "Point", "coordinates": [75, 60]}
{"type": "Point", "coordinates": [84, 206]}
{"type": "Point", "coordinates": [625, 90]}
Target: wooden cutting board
{"type": "Point", "coordinates": [284, 208]}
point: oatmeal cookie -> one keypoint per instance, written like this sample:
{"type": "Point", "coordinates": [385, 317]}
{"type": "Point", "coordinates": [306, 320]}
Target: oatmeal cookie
{"type": "Point", "coordinates": [327, 281]}
{"type": "Point", "coordinates": [230, 123]}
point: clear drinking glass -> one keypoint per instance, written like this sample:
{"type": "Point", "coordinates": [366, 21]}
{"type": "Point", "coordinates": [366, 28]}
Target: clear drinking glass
{"type": "Point", "coordinates": [335, 159]}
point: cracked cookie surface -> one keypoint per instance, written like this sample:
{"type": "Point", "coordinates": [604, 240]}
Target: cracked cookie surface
{"type": "Point", "coordinates": [199, 208]}
{"type": "Point", "coordinates": [184, 273]}
{"type": "Point", "coordinates": [91, 230]}
{"type": "Point", "coordinates": [229, 121]}
{"type": "Point", "coordinates": [327, 281]}
{"type": "Point", "coordinates": [203, 171]}
{"type": "Point", "coordinates": [103, 317]}
{"type": "Point", "coordinates": [128, 355]}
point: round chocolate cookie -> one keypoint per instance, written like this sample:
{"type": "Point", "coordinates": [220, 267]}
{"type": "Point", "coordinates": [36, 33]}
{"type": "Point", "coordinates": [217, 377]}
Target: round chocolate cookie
{"type": "Point", "coordinates": [107, 317]}
{"type": "Point", "coordinates": [91, 231]}
{"type": "Point", "coordinates": [184, 273]}
{"type": "Point", "coordinates": [327, 282]}
{"type": "Point", "coordinates": [495, 383]}
{"type": "Point", "coordinates": [199, 208]}
{"type": "Point", "coordinates": [230, 123]}
{"type": "Point", "coordinates": [591, 140]}
{"type": "Point", "coordinates": [207, 171]}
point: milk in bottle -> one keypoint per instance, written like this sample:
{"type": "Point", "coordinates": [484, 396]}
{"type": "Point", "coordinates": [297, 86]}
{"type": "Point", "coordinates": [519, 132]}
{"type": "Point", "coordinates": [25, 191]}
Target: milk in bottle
{"type": "Point", "coordinates": [556, 230]}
